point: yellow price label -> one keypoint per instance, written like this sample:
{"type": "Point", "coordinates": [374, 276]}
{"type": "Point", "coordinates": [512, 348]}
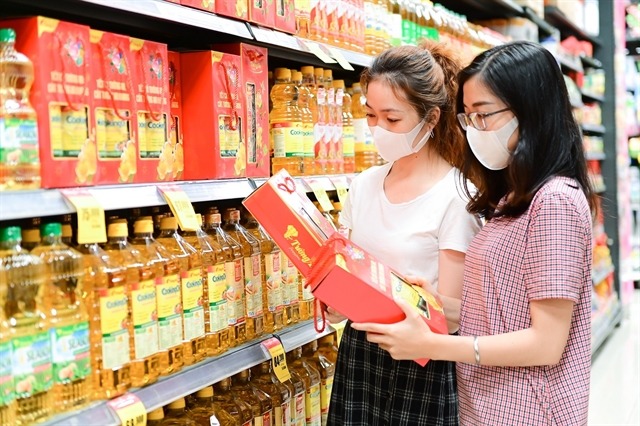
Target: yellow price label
{"type": "Point", "coordinates": [180, 206]}
{"type": "Point", "coordinates": [129, 409]}
{"type": "Point", "coordinates": [342, 188]}
{"type": "Point", "coordinates": [278, 359]}
{"type": "Point", "coordinates": [321, 195]}
{"type": "Point", "coordinates": [91, 223]}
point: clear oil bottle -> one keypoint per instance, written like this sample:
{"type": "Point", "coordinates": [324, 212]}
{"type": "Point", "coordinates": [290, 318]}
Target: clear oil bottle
{"type": "Point", "coordinates": [260, 402]}
{"type": "Point", "coordinates": [311, 378]}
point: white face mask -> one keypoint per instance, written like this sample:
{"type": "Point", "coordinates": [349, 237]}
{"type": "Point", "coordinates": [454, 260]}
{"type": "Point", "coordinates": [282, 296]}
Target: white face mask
{"type": "Point", "coordinates": [491, 146]}
{"type": "Point", "coordinates": [393, 146]}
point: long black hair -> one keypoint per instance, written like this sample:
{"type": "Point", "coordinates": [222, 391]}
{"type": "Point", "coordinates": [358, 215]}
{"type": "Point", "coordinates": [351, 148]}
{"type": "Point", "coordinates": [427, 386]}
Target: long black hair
{"type": "Point", "coordinates": [527, 78]}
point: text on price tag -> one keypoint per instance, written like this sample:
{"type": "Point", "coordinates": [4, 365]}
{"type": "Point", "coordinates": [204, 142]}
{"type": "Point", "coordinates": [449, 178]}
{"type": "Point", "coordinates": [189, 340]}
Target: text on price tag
{"type": "Point", "coordinates": [180, 206]}
{"type": "Point", "coordinates": [342, 187]}
{"type": "Point", "coordinates": [130, 410]}
{"type": "Point", "coordinates": [91, 227]}
{"type": "Point", "coordinates": [278, 359]}
{"type": "Point", "coordinates": [321, 195]}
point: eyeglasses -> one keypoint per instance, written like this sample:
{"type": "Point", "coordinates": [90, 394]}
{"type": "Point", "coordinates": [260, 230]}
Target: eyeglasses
{"type": "Point", "coordinates": [476, 119]}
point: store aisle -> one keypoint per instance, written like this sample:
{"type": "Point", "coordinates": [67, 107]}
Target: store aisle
{"type": "Point", "coordinates": [615, 374]}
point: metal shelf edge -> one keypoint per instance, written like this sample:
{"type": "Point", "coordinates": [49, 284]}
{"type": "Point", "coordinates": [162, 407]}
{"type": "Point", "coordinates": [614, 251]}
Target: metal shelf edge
{"type": "Point", "coordinates": [593, 128]}
{"type": "Point", "coordinates": [595, 156]}
{"type": "Point", "coordinates": [27, 204]}
{"type": "Point", "coordinates": [301, 334]}
{"type": "Point", "coordinates": [604, 323]}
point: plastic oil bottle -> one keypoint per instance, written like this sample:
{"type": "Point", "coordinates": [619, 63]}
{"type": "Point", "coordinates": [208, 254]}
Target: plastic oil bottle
{"type": "Point", "coordinates": [105, 290]}
{"type": "Point", "coordinates": [263, 377]}
{"type": "Point", "coordinates": [327, 370]}
{"type": "Point", "coordinates": [311, 378]}
{"type": "Point", "coordinates": [331, 132]}
{"type": "Point", "coordinates": [234, 273]}
{"type": "Point", "coordinates": [321, 132]}
{"type": "Point", "coordinates": [290, 297]}
{"type": "Point", "coordinates": [272, 301]}
{"type": "Point", "coordinates": [327, 347]}
{"type": "Point", "coordinates": [348, 136]}
{"type": "Point", "coordinates": [22, 280]}
{"type": "Point", "coordinates": [252, 275]}
{"type": "Point", "coordinates": [365, 150]}
{"type": "Point", "coordinates": [298, 400]}
{"type": "Point", "coordinates": [168, 297]}
{"type": "Point", "coordinates": [176, 414]}
{"type": "Point", "coordinates": [31, 237]}
{"type": "Point", "coordinates": [207, 412]}
{"type": "Point", "coordinates": [305, 98]}
{"type": "Point", "coordinates": [19, 156]}
{"type": "Point", "coordinates": [155, 417]}
{"type": "Point", "coordinates": [7, 385]}
{"type": "Point", "coordinates": [306, 298]}
{"type": "Point", "coordinates": [190, 262]}
{"type": "Point", "coordinates": [141, 294]}
{"type": "Point", "coordinates": [224, 396]}
{"type": "Point", "coordinates": [214, 280]}
{"type": "Point", "coordinates": [260, 402]}
{"type": "Point", "coordinates": [285, 121]}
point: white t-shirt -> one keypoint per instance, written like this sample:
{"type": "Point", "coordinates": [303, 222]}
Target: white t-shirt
{"type": "Point", "coordinates": [408, 236]}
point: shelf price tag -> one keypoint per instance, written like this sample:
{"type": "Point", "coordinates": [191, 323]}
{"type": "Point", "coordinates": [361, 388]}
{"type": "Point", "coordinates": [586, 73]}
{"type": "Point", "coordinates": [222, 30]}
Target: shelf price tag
{"type": "Point", "coordinates": [278, 358]}
{"type": "Point", "coordinates": [338, 56]}
{"type": "Point", "coordinates": [317, 50]}
{"type": "Point", "coordinates": [91, 223]}
{"type": "Point", "coordinates": [342, 187]}
{"type": "Point", "coordinates": [321, 195]}
{"type": "Point", "coordinates": [180, 206]}
{"type": "Point", "coordinates": [129, 409]}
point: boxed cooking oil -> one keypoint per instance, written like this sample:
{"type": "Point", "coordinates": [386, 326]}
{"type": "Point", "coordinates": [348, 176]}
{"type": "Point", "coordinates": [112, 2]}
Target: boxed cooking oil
{"type": "Point", "coordinates": [285, 16]}
{"type": "Point", "coordinates": [255, 88]}
{"type": "Point", "coordinates": [213, 102]}
{"type": "Point", "coordinates": [61, 95]}
{"type": "Point", "coordinates": [343, 276]}
{"type": "Point", "coordinates": [238, 9]}
{"type": "Point", "coordinates": [290, 218]}
{"type": "Point", "coordinates": [175, 121]}
{"type": "Point", "coordinates": [151, 118]}
{"type": "Point", "coordinates": [208, 5]}
{"type": "Point", "coordinates": [262, 12]}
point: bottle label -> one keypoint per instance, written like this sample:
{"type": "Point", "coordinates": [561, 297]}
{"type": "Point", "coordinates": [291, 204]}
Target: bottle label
{"type": "Point", "coordinates": [359, 126]}
{"type": "Point", "coordinates": [192, 304]}
{"type": "Point", "coordinates": [266, 418]}
{"type": "Point", "coordinates": [287, 139]}
{"type": "Point", "coordinates": [75, 132]}
{"type": "Point", "coordinates": [285, 414]}
{"type": "Point", "coordinates": [274, 282]}
{"type": "Point", "coordinates": [114, 310]}
{"type": "Point", "coordinates": [307, 295]}
{"type": "Point", "coordinates": [217, 288]}
{"type": "Point", "coordinates": [55, 129]}
{"type": "Point", "coordinates": [240, 296]}
{"type": "Point", "coordinates": [294, 285]}
{"type": "Point", "coordinates": [31, 363]}
{"type": "Point", "coordinates": [284, 276]}
{"type": "Point", "coordinates": [18, 141]}
{"type": "Point", "coordinates": [229, 137]}
{"type": "Point", "coordinates": [213, 421]}
{"type": "Point", "coordinates": [169, 312]}
{"type": "Point", "coordinates": [312, 406]}
{"type": "Point", "coordinates": [308, 140]}
{"type": "Point", "coordinates": [325, 397]}
{"type": "Point", "coordinates": [155, 135]}
{"type": "Point", "coordinates": [145, 319]}
{"type": "Point", "coordinates": [232, 316]}
{"type": "Point", "coordinates": [300, 410]}
{"type": "Point", "coordinates": [348, 141]}
{"type": "Point", "coordinates": [70, 352]}
{"type": "Point", "coordinates": [252, 286]}
{"type": "Point", "coordinates": [112, 133]}
{"type": "Point", "coordinates": [7, 389]}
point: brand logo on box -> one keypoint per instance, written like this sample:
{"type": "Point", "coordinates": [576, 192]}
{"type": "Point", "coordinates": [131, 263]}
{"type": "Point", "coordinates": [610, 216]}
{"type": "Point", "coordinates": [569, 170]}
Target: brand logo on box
{"type": "Point", "coordinates": [116, 60]}
{"type": "Point", "coordinates": [291, 235]}
{"type": "Point", "coordinates": [75, 50]}
{"type": "Point", "coordinates": [155, 66]}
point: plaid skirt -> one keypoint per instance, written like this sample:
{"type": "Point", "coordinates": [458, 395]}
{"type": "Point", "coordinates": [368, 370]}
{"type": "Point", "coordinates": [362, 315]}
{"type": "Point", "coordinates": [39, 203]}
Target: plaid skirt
{"type": "Point", "coordinates": [370, 388]}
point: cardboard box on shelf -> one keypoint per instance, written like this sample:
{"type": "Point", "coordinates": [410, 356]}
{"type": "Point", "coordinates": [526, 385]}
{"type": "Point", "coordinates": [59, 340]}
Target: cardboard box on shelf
{"type": "Point", "coordinates": [285, 15]}
{"type": "Point", "coordinates": [61, 95]}
{"type": "Point", "coordinates": [214, 132]}
{"type": "Point", "coordinates": [262, 12]}
{"type": "Point", "coordinates": [208, 5]}
{"type": "Point", "coordinates": [175, 121]}
{"type": "Point", "coordinates": [238, 9]}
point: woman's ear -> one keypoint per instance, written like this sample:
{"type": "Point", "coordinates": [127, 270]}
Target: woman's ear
{"type": "Point", "coordinates": [433, 117]}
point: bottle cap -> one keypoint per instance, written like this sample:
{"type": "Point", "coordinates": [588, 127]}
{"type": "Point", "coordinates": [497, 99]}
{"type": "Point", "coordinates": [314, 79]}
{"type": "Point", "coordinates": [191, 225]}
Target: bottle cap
{"type": "Point", "coordinates": [177, 404]}
{"type": "Point", "coordinates": [205, 393]}
{"type": "Point", "coordinates": [31, 235]}
{"type": "Point", "coordinates": [11, 233]}
{"type": "Point", "coordinates": [157, 414]}
{"type": "Point", "coordinates": [283, 74]}
{"type": "Point", "coordinates": [143, 226]}
{"type": "Point", "coordinates": [296, 76]}
{"type": "Point", "coordinates": [307, 69]}
{"type": "Point", "coordinates": [52, 229]}
{"type": "Point", "coordinates": [328, 74]}
{"type": "Point", "coordinates": [338, 84]}
{"type": "Point", "coordinates": [117, 229]}
{"type": "Point", "coordinates": [318, 72]}
{"type": "Point", "coordinates": [7, 35]}
{"type": "Point", "coordinates": [169, 223]}
{"type": "Point", "coordinates": [67, 231]}
{"type": "Point", "coordinates": [356, 87]}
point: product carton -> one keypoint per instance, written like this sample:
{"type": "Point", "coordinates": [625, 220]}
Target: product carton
{"type": "Point", "coordinates": [175, 121]}
{"type": "Point", "coordinates": [237, 9]}
{"type": "Point", "coordinates": [208, 5]}
{"type": "Point", "coordinates": [263, 12]}
{"type": "Point", "coordinates": [290, 218]}
{"type": "Point", "coordinates": [285, 16]}
{"type": "Point", "coordinates": [151, 88]}
{"type": "Point", "coordinates": [255, 88]}
{"type": "Point", "coordinates": [213, 101]}
{"type": "Point", "coordinates": [353, 282]}
{"type": "Point", "coordinates": [61, 95]}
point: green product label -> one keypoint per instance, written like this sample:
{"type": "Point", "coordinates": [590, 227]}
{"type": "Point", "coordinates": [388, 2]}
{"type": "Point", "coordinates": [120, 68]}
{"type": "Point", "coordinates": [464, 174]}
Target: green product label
{"type": "Point", "coordinates": [433, 34]}
{"type": "Point", "coordinates": [70, 352]}
{"type": "Point", "coordinates": [406, 31]}
{"type": "Point", "coordinates": [217, 288]}
{"type": "Point", "coordinates": [192, 302]}
{"type": "Point", "coordinates": [32, 370]}
{"type": "Point", "coordinates": [7, 389]}
{"type": "Point", "coordinates": [18, 141]}
{"type": "Point", "coordinates": [114, 311]}
{"type": "Point", "coordinates": [145, 319]}
{"type": "Point", "coordinates": [169, 312]}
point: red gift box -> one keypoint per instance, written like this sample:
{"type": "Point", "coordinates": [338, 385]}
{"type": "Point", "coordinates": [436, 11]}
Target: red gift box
{"type": "Point", "coordinates": [175, 122]}
{"type": "Point", "coordinates": [208, 5]}
{"type": "Point", "coordinates": [238, 9]}
{"type": "Point", "coordinates": [285, 16]}
{"type": "Point", "coordinates": [263, 12]}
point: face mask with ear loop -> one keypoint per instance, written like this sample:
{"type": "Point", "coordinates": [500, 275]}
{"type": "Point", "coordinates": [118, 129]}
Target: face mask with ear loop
{"type": "Point", "coordinates": [393, 146]}
{"type": "Point", "coordinates": [491, 146]}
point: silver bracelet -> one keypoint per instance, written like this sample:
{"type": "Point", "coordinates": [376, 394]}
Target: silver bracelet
{"type": "Point", "coordinates": [476, 350]}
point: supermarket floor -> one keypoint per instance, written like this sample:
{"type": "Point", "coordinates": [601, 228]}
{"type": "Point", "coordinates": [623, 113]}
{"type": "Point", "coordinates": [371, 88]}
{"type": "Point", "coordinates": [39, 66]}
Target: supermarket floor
{"type": "Point", "coordinates": [615, 374]}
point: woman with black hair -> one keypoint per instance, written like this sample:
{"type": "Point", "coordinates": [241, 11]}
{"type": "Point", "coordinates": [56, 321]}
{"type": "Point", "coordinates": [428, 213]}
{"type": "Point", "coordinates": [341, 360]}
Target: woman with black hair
{"type": "Point", "coordinates": [524, 349]}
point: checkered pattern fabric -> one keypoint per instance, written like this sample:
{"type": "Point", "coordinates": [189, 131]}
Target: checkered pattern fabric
{"type": "Point", "coordinates": [543, 254]}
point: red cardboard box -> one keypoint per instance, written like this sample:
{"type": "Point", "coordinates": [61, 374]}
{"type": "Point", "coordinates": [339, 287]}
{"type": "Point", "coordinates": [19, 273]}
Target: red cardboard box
{"type": "Point", "coordinates": [61, 95]}
{"type": "Point", "coordinates": [151, 88]}
{"type": "Point", "coordinates": [233, 8]}
{"type": "Point", "coordinates": [262, 12]}
{"type": "Point", "coordinates": [255, 86]}
{"type": "Point", "coordinates": [175, 122]}
{"type": "Point", "coordinates": [213, 101]}
{"type": "Point", "coordinates": [353, 282]}
{"type": "Point", "coordinates": [208, 5]}
{"type": "Point", "coordinates": [113, 107]}
{"type": "Point", "coordinates": [290, 218]}
{"type": "Point", "coordinates": [285, 16]}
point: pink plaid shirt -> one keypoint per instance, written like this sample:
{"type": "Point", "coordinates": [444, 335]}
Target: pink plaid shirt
{"type": "Point", "coordinates": [543, 254]}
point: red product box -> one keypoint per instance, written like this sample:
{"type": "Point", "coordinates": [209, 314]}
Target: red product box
{"type": "Point", "coordinates": [113, 107]}
{"type": "Point", "coordinates": [255, 88]}
{"type": "Point", "coordinates": [237, 9]}
{"type": "Point", "coordinates": [290, 218]}
{"type": "Point", "coordinates": [175, 122]}
{"type": "Point", "coordinates": [208, 5]}
{"type": "Point", "coordinates": [262, 12]}
{"type": "Point", "coordinates": [61, 95]}
{"type": "Point", "coordinates": [151, 118]}
{"type": "Point", "coordinates": [353, 282]}
{"type": "Point", "coordinates": [285, 16]}
{"type": "Point", "coordinates": [213, 101]}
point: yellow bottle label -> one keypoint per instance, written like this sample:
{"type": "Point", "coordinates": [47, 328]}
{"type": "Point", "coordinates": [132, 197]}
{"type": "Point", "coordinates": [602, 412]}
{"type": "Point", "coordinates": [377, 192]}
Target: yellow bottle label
{"type": "Point", "coordinates": [55, 129]}
{"type": "Point", "coordinates": [155, 136]}
{"type": "Point", "coordinates": [325, 397]}
{"type": "Point", "coordinates": [308, 141]}
{"type": "Point", "coordinates": [112, 133]}
{"type": "Point", "coordinates": [217, 288]}
{"type": "Point", "coordinates": [229, 137]}
{"type": "Point", "coordinates": [142, 132]}
{"type": "Point", "coordinates": [232, 316]}
{"type": "Point", "coordinates": [348, 141]}
{"type": "Point", "coordinates": [114, 311]}
{"type": "Point", "coordinates": [252, 286]}
{"type": "Point", "coordinates": [145, 319]}
{"type": "Point", "coordinates": [287, 139]}
{"type": "Point", "coordinates": [234, 269]}
{"type": "Point", "coordinates": [312, 406]}
{"type": "Point", "coordinates": [299, 410]}
{"type": "Point", "coordinates": [274, 282]}
{"type": "Point", "coordinates": [169, 312]}
{"type": "Point", "coordinates": [75, 131]}
{"type": "Point", "coordinates": [192, 301]}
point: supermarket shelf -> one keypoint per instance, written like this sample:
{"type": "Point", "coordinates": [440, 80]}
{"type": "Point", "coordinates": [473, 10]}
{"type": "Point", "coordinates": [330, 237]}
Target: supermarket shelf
{"type": "Point", "coordinates": [555, 17]}
{"type": "Point", "coordinates": [543, 26]}
{"type": "Point", "coordinates": [603, 323]}
{"type": "Point", "coordinates": [595, 156]}
{"type": "Point", "coordinates": [592, 97]}
{"type": "Point", "coordinates": [37, 203]}
{"type": "Point", "coordinates": [323, 181]}
{"type": "Point", "coordinates": [597, 129]}
{"type": "Point", "coordinates": [484, 9]}
{"type": "Point", "coordinates": [298, 335]}
{"type": "Point", "coordinates": [572, 63]}
{"type": "Point", "coordinates": [601, 274]}
{"type": "Point", "coordinates": [590, 62]}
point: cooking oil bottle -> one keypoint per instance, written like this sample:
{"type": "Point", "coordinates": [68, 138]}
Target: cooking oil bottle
{"type": "Point", "coordinates": [168, 297]}
{"type": "Point", "coordinates": [105, 290]}
{"type": "Point", "coordinates": [67, 234]}
{"type": "Point", "coordinates": [263, 377]}
{"type": "Point", "coordinates": [298, 395]}
{"type": "Point", "coordinates": [327, 347]}
{"type": "Point", "coordinates": [19, 156]}
{"type": "Point", "coordinates": [190, 263]}
{"type": "Point", "coordinates": [321, 129]}
{"type": "Point", "coordinates": [305, 99]}
{"type": "Point", "coordinates": [252, 277]}
{"type": "Point", "coordinates": [235, 278]}
{"type": "Point", "coordinates": [155, 417]}
{"type": "Point", "coordinates": [365, 150]}
{"type": "Point", "coordinates": [327, 369]}
{"type": "Point", "coordinates": [286, 125]}
{"type": "Point", "coordinates": [260, 401]}
{"type": "Point", "coordinates": [290, 298]}
{"type": "Point", "coordinates": [176, 414]}
{"type": "Point", "coordinates": [214, 281]}
{"type": "Point", "coordinates": [331, 133]}
{"type": "Point", "coordinates": [141, 294]}
{"type": "Point", "coordinates": [348, 141]}
{"type": "Point", "coordinates": [25, 344]}
{"type": "Point", "coordinates": [31, 234]}
{"type": "Point", "coordinates": [224, 396]}
{"type": "Point", "coordinates": [311, 378]}
{"type": "Point", "coordinates": [272, 301]}
{"type": "Point", "coordinates": [68, 320]}
{"type": "Point", "coordinates": [207, 412]}
{"type": "Point", "coordinates": [306, 298]}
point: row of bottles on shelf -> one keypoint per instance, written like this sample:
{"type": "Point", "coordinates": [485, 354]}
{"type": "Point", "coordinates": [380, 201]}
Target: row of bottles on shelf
{"type": "Point", "coordinates": [88, 321]}
{"type": "Point", "coordinates": [260, 397]}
